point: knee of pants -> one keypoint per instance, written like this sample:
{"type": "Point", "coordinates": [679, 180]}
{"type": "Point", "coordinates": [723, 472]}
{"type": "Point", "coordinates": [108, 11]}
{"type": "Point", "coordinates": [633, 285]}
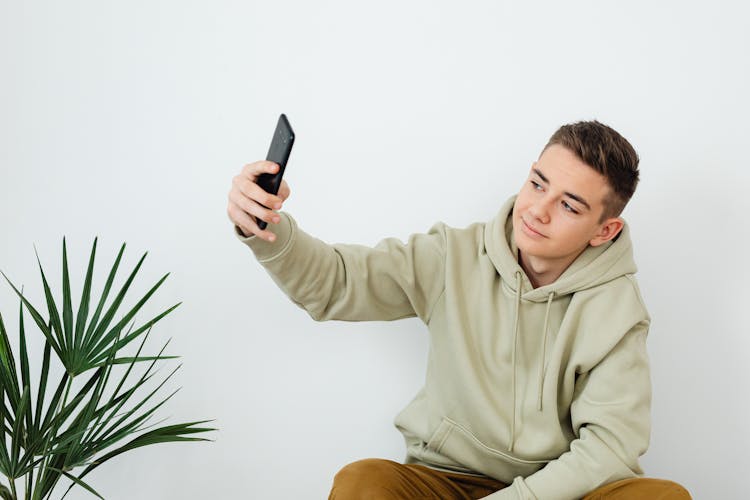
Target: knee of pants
{"type": "Point", "coordinates": [673, 491]}
{"type": "Point", "coordinates": [357, 479]}
{"type": "Point", "coordinates": [652, 488]}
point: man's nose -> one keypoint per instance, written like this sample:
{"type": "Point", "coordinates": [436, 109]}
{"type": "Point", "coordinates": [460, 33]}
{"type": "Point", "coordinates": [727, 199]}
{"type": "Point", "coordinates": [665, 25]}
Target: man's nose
{"type": "Point", "coordinates": [540, 209]}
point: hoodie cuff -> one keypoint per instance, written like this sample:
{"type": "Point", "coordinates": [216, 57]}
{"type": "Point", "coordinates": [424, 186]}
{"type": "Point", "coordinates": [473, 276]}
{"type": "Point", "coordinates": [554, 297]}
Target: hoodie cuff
{"type": "Point", "coordinates": [518, 490]}
{"type": "Point", "coordinates": [269, 250]}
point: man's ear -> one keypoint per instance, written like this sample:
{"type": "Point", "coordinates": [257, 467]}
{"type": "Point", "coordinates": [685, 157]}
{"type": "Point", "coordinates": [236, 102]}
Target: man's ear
{"type": "Point", "coordinates": [607, 231]}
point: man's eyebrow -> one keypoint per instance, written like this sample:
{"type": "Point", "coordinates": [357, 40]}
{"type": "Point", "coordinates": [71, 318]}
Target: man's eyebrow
{"type": "Point", "coordinates": [541, 175]}
{"type": "Point", "coordinates": [578, 199]}
{"type": "Point", "coordinates": [569, 195]}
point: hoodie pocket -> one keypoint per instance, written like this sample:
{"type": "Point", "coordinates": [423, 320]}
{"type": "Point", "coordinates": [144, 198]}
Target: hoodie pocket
{"type": "Point", "coordinates": [457, 443]}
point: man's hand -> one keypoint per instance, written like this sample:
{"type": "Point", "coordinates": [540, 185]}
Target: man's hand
{"type": "Point", "coordinates": [248, 201]}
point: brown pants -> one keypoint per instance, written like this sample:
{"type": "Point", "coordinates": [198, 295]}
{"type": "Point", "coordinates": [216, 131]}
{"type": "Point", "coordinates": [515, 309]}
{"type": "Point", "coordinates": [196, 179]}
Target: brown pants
{"type": "Point", "coordinates": [377, 479]}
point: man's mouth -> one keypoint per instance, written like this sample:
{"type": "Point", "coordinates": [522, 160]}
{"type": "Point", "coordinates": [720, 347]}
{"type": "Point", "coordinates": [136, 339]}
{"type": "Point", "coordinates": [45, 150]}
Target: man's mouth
{"type": "Point", "coordinates": [531, 230]}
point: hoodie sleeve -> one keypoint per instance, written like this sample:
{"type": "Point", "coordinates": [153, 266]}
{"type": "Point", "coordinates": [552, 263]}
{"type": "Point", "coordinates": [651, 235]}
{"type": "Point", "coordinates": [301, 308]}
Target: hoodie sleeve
{"type": "Point", "coordinates": [353, 282]}
{"type": "Point", "coordinates": [611, 416]}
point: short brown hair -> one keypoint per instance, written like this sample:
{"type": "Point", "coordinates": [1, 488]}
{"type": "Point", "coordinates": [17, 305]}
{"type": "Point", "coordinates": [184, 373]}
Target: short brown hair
{"type": "Point", "coordinates": [606, 151]}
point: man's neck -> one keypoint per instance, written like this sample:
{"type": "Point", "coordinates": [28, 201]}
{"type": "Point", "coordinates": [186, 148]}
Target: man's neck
{"type": "Point", "coordinates": [542, 272]}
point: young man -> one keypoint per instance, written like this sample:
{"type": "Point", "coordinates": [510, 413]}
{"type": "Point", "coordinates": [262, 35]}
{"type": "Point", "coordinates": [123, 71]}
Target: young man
{"type": "Point", "coordinates": [538, 381]}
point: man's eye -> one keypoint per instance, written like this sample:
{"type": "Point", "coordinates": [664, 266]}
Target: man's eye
{"type": "Point", "coordinates": [567, 207]}
{"type": "Point", "coordinates": [536, 185]}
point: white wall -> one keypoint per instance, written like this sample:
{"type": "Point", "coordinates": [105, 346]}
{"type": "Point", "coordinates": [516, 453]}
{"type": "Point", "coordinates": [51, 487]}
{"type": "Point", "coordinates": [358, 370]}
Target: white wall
{"type": "Point", "coordinates": [127, 120]}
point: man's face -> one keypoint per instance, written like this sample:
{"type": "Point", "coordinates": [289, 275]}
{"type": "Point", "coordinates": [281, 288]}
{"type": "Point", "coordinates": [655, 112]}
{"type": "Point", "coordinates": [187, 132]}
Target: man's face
{"type": "Point", "coordinates": [557, 211]}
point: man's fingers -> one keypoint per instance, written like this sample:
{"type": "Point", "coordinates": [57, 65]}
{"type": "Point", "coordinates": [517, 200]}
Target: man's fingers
{"type": "Point", "coordinates": [254, 169]}
{"type": "Point", "coordinates": [256, 193]}
{"type": "Point", "coordinates": [253, 208]}
{"type": "Point", "coordinates": [246, 223]}
{"type": "Point", "coordinates": [284, 191]}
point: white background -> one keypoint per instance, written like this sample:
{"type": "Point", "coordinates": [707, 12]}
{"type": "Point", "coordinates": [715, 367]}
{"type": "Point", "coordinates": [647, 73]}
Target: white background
{"type": "Point", "coordinates": [128, 120]}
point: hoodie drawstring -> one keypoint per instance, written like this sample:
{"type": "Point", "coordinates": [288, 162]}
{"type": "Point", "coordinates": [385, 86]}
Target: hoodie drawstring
{"type": "Point", "coordinates": [550, 297]}
{"type": "Point", "coordinates": [513, 359]}
{"type": "Point", "coordinates": [544, 351]}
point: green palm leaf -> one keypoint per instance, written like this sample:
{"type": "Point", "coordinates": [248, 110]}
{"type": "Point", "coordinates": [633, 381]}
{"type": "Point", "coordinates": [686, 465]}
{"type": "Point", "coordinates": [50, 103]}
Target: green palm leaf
{"type": "Point", "coordinates": [45, 327]}
{"type": "Point", "coordinates": [8, 377]}
{"type": "Point", "coordinates": [94, 339]}
{"type": "Point", "coordinates": [83, 308]}
{"type": "Point", "coordinates": [67, 304]}
{"type": "Point", "coordinates": [78, 482]}
{"type": "Point", "coordinates": [42, 384]}
{"type": "Point", "coordinates": [25, 378]}
{"type": "Point", "coordinates": [54, 316]}
{"type": "Point", "coordinates": [171, 433]}
{"type": "Point", "coordinates": [105, 293]}
{"type": "Point", "coordinates": [132, 336]}
{"type": "Point", "coordinates": [17, 437]}
{"type": "Point", "coordinates": [102, 340]}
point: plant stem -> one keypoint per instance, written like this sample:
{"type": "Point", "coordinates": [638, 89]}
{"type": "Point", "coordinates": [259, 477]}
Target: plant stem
{"type": "Point", "coordinates": [67, 391]}
{"type": "Point", "coordinates": [65, 401]}
{"type": "Point", "coordinates": [13, 487]}
{"type": "Point", "coordinates": [42, 474]}
{"type": "Point", "coordinates": [29, 483]}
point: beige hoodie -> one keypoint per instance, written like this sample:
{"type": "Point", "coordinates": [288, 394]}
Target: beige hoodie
{"type": "Point", "coordinates": [546, 388]}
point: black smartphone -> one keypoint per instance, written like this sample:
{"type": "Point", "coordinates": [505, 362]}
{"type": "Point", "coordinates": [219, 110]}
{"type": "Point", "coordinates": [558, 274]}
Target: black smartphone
{"type": "Point", "coordinates": [281, 146]}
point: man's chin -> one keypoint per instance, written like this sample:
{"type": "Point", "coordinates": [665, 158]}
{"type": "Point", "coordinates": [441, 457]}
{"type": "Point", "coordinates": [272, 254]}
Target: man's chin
{"type": "Point", "coordinates": [531, 248]}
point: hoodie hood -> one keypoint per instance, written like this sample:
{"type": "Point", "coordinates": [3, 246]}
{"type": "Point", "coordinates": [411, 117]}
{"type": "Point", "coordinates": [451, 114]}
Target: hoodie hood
{"type": "Point", "coordinates": [595, 266]}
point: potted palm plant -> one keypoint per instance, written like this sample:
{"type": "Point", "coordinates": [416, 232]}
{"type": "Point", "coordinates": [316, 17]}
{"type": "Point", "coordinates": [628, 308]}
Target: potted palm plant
{"type": "Point", "coordinates": [104, 401]}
